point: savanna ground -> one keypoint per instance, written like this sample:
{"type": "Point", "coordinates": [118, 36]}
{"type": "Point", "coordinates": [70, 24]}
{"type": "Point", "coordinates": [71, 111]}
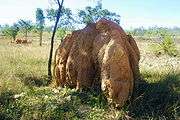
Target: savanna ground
{"type": "Point", "coordinates": [25, 93]}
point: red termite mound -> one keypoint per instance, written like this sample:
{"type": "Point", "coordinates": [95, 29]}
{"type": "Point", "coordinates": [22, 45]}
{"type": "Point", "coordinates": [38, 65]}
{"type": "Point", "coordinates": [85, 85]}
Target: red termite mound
{"type": "Point", "coordinates": [101, 53]}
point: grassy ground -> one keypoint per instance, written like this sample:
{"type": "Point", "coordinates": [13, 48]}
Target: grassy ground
{"type": "Point", "coordinates": [25, 94]}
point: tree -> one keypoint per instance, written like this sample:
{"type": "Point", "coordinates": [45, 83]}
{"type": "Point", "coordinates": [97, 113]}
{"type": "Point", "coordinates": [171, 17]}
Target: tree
{"type": "Point", "coordinates": [60, 5]}
{"type": "Point", "coordinates": [25, 26]}
{"type": "Point", "coordinates": [66, 15]}
{"type": "Point", "coordinates": [11, 31]}
{"type": "Point", "coordinates": [40, 20]}
{"type": "Point", "coordinates": [91, 15]}
{"type": "Point", "coordinates": [0, 27]}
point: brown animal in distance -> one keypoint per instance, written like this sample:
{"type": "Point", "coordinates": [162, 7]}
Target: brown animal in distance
{"type": "Point", "coordinates": [21, 41]}
{"type": "Point", "coordinates": [103, 52]}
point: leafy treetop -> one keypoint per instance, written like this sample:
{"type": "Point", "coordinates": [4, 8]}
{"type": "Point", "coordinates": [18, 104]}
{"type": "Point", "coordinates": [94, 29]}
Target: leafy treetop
{"type": "Point", "coordinates": [90, 15]}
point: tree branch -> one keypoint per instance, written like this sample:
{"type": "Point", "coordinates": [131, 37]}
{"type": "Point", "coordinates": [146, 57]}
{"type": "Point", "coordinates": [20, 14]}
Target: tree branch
{"type": "Point", "coordinates": [60, 5]}
{"type": "Point", "coordinates": [52, 39]}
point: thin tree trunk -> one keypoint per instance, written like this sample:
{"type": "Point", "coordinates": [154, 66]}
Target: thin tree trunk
{"type": "Point", "coordinates": [14, 39]}
{"type": "Point", "coordinates": [40, 39]}
{"type": "Point", "coordinates": [52, 39]}
{"type": "Point", "coordinates": [26, 34]}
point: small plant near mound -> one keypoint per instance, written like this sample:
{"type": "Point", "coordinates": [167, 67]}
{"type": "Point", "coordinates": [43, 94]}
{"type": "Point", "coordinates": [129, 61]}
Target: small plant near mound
{"type": "Point", "coordinates": [167, 46]}
{"type": "Point", "coordinates": [156, 49]}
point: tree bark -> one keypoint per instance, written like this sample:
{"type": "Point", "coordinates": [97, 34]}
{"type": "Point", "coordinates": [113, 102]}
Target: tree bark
{"type": "Point", "coordinates": [26, 32]}
{"type": "Point", "coordinates": [14, 39]}
{"type": "Point", "coordinates": [40, 37]}
{"type": "Point", "coordinates": [52, 39]}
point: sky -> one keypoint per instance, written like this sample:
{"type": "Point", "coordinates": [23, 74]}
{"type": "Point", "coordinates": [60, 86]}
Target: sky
{"type": "Point", "coordinates": [134, 13]}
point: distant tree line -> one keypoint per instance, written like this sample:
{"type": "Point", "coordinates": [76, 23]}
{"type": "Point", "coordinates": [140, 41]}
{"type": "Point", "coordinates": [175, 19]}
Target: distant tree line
{"type": "Point", "coordinates": [67, 23]}
{"type": "Point", "coordinates": [154, 31]}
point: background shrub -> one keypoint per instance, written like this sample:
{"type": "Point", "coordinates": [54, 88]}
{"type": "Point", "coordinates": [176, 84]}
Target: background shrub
{"type": "Point", "coordinates": [166, 46]}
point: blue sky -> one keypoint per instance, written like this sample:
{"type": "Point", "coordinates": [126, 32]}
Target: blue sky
{"type": "Point", "coordinates": [134, 13]}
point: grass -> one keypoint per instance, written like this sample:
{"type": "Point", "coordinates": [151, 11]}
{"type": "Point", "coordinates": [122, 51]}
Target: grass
{"type": "Point", "coordinates": [158, 97]}
{"type": "Point", "coordinates": [25, 93]}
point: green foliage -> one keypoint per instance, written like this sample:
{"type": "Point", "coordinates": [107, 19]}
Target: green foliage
{"type": "Point", "coordinates": [66, 18]}
{"type": "Point", "coordinates": [91, 15]}
{"type": "Point", "coordinates": [61, 33]}
{"type": "Point", "coordinates": [167, 46]}
{"type": "Point", "coordinates": [156, 49]}
{"type": "Point", "coordinates": [86, 16]}
{"type": "Point", "coordinates": [40, 19]}
{"type": "Point", "coordinates": [25, 26]}
{"type": "Point", "coordinates": [11, 31]}
{"type": "Point", "coordinates": [51, 14]}
{"type": "Point", "coordinates": [35, 29]}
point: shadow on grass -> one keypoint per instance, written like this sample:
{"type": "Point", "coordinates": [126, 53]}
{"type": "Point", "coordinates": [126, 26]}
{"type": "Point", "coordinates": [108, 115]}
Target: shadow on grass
{"type": "Point", "coordinates": [157, 100]}
{"type": "Point", "coordinates": [8, 110]}
{"type": "Point", "coordinates": [31, 80]}
{"type": "Point", "coordinates": [92, 98]}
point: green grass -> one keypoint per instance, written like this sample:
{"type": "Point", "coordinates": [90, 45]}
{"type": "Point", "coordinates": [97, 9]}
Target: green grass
{"type": "Point", "coordinates": [26, 95]}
